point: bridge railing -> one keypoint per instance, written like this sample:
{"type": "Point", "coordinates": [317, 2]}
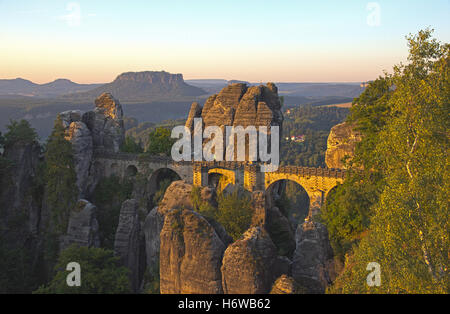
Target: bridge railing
{"type": "Point", "coordinates": [231, 165]}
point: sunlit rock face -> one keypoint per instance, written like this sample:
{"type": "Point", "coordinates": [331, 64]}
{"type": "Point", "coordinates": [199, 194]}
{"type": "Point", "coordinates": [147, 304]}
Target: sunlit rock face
{"type": "Point", "coordinates": [240, 105]}
{"type": "Point", "coordinates": [101, 128]}
{"type": "Point", "coordinates": [191, 255]}
{"type": "Point", "coordinates": [341, 144]}
{"type": "Point", "coordinates": [106, 123]}
{"type": "Point", "coordinates": [248, 264]}
{"type": "Point", "coordinates": [177, 196]}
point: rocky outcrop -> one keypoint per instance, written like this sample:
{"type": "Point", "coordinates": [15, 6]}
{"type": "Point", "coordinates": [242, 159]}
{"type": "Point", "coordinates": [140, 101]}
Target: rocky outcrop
{"type": "Point", "coordinates": [128, 243]}
{"type": "Point", "coordinates": [81, 138]}
{"type": "Point", "coordinates": [102, 128]}
{"type": "Point", "coordinates": [280, 230]}
{"type": "Point", "coordinates": [106, 123]}
{"type": "Point", "coordinates": [259, 207]}
{"type": "Point", "coordinates": [145, 87]}
{"type": "Point", "coordinates": [271, 219]}
{"type": "Point", "coordinates": [248, 264]}
{"type": "Point", "coordinates": [341, 144]}
{"type": "Point", "coordinates": [17, 183]}
{"type": "Point", "coordinates": [153, 225]}
{"type": "Point", "coordinates": [177, 196]}
{"type": "Point", "coordinates": [312, 265]}
{"type": "Point", "coordinates": [194, 112]}
{"type": "Point", "coordinates": [82, 229]}
{"type": "Point", "coordinates": [240, 105]}
{"type": "Point", "coordinates": [190, 255]}
{"type": "Point", "coordinates": [287, 285]}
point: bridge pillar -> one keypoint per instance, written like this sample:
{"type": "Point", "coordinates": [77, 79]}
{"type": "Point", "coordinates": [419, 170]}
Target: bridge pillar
{"type": "Point", "coordinates": [250, 178]}
{"type": "Point", "coordinates": [197, 176]}
{"type": "Point", "coordinates": [315, 202]}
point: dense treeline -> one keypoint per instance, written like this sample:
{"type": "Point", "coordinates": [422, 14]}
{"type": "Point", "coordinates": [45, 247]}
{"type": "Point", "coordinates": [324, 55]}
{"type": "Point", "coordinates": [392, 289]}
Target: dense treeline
{"type": "Point", "coordinates": [395, 211]}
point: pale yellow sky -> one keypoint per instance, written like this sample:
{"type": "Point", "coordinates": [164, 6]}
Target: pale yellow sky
{"type": "Point", "coordinates": [281, 41]}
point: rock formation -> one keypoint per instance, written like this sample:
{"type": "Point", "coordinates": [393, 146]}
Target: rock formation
{"type": "Point", "coordinates": [128, 243]}
{"type": "Point", "coordinates": [145, 87]}
{"type": "Point", "coordinates": [177, 196]}
{"type": "Point", "coordinates": [153, 225]}
{"type": "Point", "coordinates": [19, 202]}
{"type": "Point", "coordinates": [81, 138]}
{"type": "Point", "coordinates": [82, 228]}
{"type": "Point", "coordinates": [280, 230]}
{"type": "Point", "coordinates": [312, 265]}
{"type": "Point", "coordinates": [106, 123]}
{"type": "Point", "coordinates": [341, 144]}
{"type": "Point", "coordinates": [194, 112]}
{"type": "Point", "coordinates": [99, 129]}
{"type": "Point", "coordinates": [247, 266]}
{"type": "Point", "coordinates": [277, 225]}
{"type": "Point", "coordinates": [287, 285]}
{"type": "Point", "coordinates": [240, 105]}
{"type": "Point", "coordinates": [17, 183]}
{"type": "Point", "coordinates": [190, 255]}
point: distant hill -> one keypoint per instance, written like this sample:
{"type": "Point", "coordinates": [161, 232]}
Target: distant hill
{"type": "Point", "coordinates": [59, 87]}
{"type": "Point", "coordinates": [146, 86]}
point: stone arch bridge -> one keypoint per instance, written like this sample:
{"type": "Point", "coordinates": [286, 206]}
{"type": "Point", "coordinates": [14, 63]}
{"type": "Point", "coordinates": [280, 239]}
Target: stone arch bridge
{"type": "Point", "coordinates": [317, 182]}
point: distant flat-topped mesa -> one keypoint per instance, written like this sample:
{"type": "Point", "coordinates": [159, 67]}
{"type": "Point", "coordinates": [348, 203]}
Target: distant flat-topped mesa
{"type": "Point", "coordinates": [146, 86]}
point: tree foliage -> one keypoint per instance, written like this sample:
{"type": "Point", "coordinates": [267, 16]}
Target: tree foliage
{"type": "Point", "coordinates": [408, 234]}
{"type": "Point", "coordinates": [108, 196]}
{"type": "Point", "coordinates": [19, 132]}
{"type": "Point", "coordinates": [234, 212]}
{"type": "Point", "coordinates": [131, 146]}
{"type": "Point", "coordinates": [160, 142]}
{"type": "Point", "coordinates": [60, 177]}
{"type": "Point", "coordinates": [100, 273]}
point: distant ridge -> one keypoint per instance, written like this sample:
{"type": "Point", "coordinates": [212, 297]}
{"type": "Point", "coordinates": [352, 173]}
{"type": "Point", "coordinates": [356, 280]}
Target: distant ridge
{"type": "Point", "coordinates": [145, 86]}
{"type": "Point", "coordinates": [23, 87]}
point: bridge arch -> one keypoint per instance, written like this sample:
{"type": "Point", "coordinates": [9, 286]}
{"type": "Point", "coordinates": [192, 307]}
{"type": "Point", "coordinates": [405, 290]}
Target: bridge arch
{"type": "Point", "coordinates": [291, 199]}
{"type": "Point", "coordinates": [317, 187]}
{"type": "Point", "coordinates": [161, 179]}
{"type": "Point", "coordinates": [131, 171]}
{"type": "Point", "coordinates": [221, 178]}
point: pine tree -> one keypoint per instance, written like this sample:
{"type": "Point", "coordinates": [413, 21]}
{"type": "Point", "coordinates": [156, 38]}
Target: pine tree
{"type": "Point", "coordinates": [60, 177]}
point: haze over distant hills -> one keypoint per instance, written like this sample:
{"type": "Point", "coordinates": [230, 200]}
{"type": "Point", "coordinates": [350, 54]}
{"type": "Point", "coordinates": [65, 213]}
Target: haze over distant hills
{"type": "Point", "coordinates": [148, 96]}
{"type": "Point", "coordinates": [144, 87]}
{"type": "Point", "coordinates": [59, 87]}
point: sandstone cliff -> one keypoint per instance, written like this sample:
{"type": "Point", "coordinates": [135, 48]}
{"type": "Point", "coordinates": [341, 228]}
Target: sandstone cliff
{"type": "Point", "coordinates": [287, 285]}
{"type": "Point", "coordinates": [191, 255]}
{"type": "Point", "coordinates": [145, 86]}
{"type": "Point", "coordinates": [83, 227]}
{"type": "Point", "coordinates": [129, 242]}
{"type": "Point", "coordinates": [312, 265]}
{"type": "Point", "coordinates": [341, 144]}
{"type": "Point", "coordinates": [177, 196]}
{"type": "Point", "coordinates": [240, 105]}
{"type": "Point", "coordinates": [101, 128]}
{"type": "Point", "coordinates": [248, 264]}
